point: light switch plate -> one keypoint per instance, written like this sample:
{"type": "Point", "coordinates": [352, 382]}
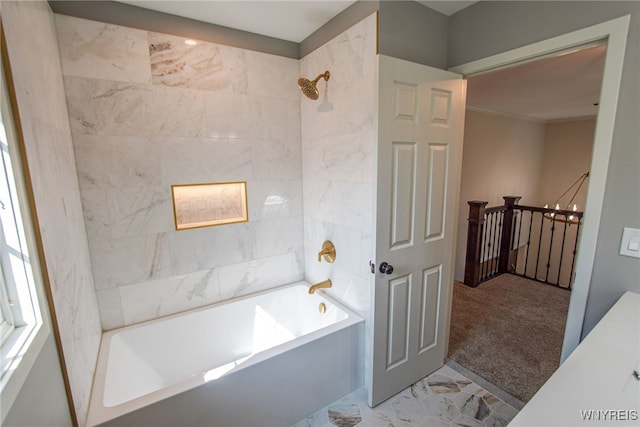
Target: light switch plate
{"type": "Point", "coordinates": [630, 245]}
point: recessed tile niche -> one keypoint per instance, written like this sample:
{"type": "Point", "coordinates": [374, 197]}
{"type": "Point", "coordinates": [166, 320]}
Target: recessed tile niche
{"type": "Point", "coordinates": [204, 205]}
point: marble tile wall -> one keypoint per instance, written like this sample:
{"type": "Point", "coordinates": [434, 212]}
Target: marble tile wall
{"type": "Point", "coordinates": [148, 111]}
{"type": "Point", "coordinates": [339, 135]}
{"type": "Point", "coordinates": [30, 33]}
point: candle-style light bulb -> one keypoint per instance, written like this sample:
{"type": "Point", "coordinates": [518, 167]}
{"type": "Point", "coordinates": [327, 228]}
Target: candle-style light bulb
{"type": "Point", "coordinates": [557, 206]}
{"type": "Point", "coordinates": [575, 208]}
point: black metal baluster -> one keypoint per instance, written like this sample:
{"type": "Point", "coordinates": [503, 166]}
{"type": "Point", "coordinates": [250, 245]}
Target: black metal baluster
{"type": "Point", "coordinates": [487, 271]}
{"type": "Point", "coordinates": [564, 235]}
{"type": "Point", "coordinates": [553, 229]}
{"type": "Point", "coordinates": [498, 242]}
{"type": "Point", "coordinates": [526, 258]}
{"type": "Point", "coordinates": [535, 274]}
{"type": "Point", "coordinates": [515, 244]}
{"type": "Point", "coordinates": [492, 241]}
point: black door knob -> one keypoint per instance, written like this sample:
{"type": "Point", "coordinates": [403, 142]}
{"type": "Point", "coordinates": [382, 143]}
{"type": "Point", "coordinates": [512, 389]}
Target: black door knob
{"type": "Point", "coordinates": [386, 268]}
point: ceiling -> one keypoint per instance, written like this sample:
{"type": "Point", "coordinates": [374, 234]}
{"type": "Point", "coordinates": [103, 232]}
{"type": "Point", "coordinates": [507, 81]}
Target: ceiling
{"type": "Point", "coordinates": [555, 88]}
{"type": "Point", "coordinates": [560, 87]}
{"type": "Point", "coordinates": [287, 20]}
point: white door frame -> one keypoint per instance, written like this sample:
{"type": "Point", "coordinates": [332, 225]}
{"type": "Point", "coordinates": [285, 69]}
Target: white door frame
{"type": "Point", "coordinates": [615, 32]}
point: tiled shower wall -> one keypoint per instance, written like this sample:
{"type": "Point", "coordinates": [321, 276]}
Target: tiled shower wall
{"type": "Point", "coordinates": [33, 55]}
{"type": "Point", "coordinates": [148, 111]}
{"type": "Point", "coordinates": [339, 142]}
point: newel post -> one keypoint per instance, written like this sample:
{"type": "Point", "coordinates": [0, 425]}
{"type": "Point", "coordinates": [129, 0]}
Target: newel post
{"type": "Point", "coordinates": [507, 233]}
{"type": "Point", "coordinates": [474, 242]}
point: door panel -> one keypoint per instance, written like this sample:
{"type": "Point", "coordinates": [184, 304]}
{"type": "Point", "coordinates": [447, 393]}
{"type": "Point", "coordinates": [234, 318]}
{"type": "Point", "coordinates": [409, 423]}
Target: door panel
{"type": "Point", "coordinates": [397, 348]}
{"type": "Point", "coordinates": [431, 286]}
{"type": "Point", "coordinates": [420, 123]}
{"type": "Point", "coordinates": [403, 176]}
{"type": "Point", "coordinates": [437, 191]}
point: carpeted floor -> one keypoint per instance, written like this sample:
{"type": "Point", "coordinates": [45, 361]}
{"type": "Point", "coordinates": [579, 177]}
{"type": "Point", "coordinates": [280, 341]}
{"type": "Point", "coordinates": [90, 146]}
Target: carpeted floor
{"type": "Point", "coordinates": [509, 331]}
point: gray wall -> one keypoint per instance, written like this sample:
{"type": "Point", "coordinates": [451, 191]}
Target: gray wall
{"type": "Point", "coordinates": [487, 28]}
{"type": "Point", "coordinates": [413, 32]}
{"type": "Point", "coordinates": [338, 24]}
{"type": "Point", "coordinates": [127, 15]}
{"type": "Point", "coordinates": [407, 30]}
{"type": "Point", "coordinates": [42, 400]}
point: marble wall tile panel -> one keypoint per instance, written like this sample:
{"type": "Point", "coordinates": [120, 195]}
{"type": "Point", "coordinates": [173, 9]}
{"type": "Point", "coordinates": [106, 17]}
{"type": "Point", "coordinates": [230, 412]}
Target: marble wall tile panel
{"type": "Point", "coordinates": [339, 158]}
{"type": "Point", "coordinates": [106, 162]}
{"type": "Point", "coordinates": [272, 76]}
{"type": "Point", "coordinates": [78, 94]}
{"type": "Point", "coordinates": [110, 306]}
{"type": "Point", "coordinates": [127, 260]}
{"type": "Point", "coordinates": [126, 212]}
{"type": "Point", "coordinates": [206, 66]}
{"type": "Point", "coordinates": [204, 160]}
{"type": "Point", "coordinates": [38, 68]}
{"type": "Point", "coordinates": [208, 113]}
{"type": "Point", "coordinates": [343, 203]}
{"type": "Point", "coordinates": [30, 32]}
{"type": "Point", "coordinates": [346, 240]}
{"type": "Point", "coordinates": [103, 107]}
{"type": "Point", "coordinates": [210, 247]}
{"type": "Point", "coordinates": [156, 298]}
{"type": "Point", "coordinates": [233, 116]}
{"type": "Point", "coordinates": [344, 110]}
{"type": "Point", "coordinates": [274, 199]}
{"type": "Point", "coordinates": [102, 51]}
{"type": "Point", "coordinates": [317, 198]}
{"type": "Point", "coordinates": [358, 213]}
{"type": "Point", "coordinates": [260, 274]}
{"type": "Point", "coordinates": [339, 140]}
{"type": "Point", "coordinates": [276, 159]}
{"type": "Point", "coordinates": [353, 50]}
{"type": "Point", "coordinates": [277, 236]}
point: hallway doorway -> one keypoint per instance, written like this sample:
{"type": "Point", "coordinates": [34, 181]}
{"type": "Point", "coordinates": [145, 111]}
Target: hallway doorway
{"type": "Point", "coordinates": [502, 106]}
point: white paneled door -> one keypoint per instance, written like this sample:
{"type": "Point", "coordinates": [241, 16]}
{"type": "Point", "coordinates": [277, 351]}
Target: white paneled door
{"type": "Point", "coordinates": [421, 121]}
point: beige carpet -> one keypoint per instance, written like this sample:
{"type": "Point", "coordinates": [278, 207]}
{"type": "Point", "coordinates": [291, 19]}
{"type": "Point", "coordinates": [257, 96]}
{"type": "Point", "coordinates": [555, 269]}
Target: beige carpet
{"type": "Point", "coordinates": [509, 331]}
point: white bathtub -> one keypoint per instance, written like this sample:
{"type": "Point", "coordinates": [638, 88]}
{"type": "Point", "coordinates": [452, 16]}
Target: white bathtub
{"type": "Point", "coordinates": [267, 359]}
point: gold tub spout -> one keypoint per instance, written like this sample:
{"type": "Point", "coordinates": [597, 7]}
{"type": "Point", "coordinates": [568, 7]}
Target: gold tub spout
{"type": "Point", "coordinates": [325, 284]}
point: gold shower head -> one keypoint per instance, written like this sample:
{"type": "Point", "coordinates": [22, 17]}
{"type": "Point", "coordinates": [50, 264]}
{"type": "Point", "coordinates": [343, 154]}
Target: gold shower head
{"type": "Point", "coordinates": [308, 87]}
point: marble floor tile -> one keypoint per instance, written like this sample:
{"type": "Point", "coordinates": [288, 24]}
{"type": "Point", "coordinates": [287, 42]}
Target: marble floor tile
{"type": "Point", "coordinates": [445, 398]}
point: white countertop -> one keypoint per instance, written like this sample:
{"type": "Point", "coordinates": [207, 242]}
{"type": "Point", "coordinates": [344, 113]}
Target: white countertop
{"type": "Point", "coordinates": [597, 376]}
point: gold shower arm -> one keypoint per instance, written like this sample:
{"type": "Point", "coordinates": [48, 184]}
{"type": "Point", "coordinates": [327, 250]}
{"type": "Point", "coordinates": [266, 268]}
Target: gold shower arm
{"type": "Point", "coordinates": [326, 76]}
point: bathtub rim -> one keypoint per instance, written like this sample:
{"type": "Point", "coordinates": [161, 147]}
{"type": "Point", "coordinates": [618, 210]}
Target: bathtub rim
{"type": "Point", "coordinates": [98, 413]}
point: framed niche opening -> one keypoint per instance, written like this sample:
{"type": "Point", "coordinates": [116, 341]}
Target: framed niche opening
{"type": "Point", "coordinates": [205, 205]}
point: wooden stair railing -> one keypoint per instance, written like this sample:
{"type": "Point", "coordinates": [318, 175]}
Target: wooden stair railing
{"type": "Point", "coordinates": [499, 241]}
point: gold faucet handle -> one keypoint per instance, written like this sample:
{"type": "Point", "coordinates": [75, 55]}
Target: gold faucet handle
{"type": "Point", "coordinates": [328, 252]}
